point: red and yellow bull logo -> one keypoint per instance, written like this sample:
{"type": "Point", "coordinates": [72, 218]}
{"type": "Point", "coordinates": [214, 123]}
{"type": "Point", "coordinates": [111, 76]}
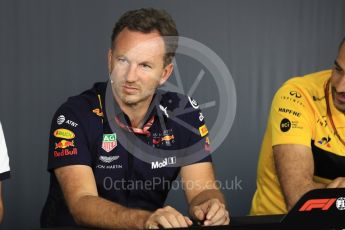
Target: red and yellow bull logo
{"type": "Point", "coordinates": [98, 112]}
{"type": "Point", "coordinates": [64, 144]}
{"type": "Point", "coordinates": [166, 138]}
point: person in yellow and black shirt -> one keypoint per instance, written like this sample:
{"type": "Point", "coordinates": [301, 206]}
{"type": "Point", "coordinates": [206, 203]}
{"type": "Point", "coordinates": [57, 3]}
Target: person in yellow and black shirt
{"type": "Point", "coordinates": [304, 143]}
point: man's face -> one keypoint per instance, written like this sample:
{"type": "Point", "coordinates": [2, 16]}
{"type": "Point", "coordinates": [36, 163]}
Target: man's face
{"type": "Point", "coordinates": [338, 80]}
{"type": "Point", "coordinates": [137, 66]}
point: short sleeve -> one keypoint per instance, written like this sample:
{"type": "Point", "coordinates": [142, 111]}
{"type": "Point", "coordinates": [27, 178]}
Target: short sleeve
{"type": "Point", "coordinates": [291, 117]}
{"type": "Point", "coordinates": [68, 143]}
{"type": "Point", "coordinates": [4, 160]}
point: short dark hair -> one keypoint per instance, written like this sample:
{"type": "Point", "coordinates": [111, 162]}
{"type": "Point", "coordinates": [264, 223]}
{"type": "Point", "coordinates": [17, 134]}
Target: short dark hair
{"type": "Point", "coordinates": [147, 20]}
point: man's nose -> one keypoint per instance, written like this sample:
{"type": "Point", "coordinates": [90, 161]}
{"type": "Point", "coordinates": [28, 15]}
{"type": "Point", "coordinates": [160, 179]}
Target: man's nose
{"type": "Point", "coordinates": [131, 75]}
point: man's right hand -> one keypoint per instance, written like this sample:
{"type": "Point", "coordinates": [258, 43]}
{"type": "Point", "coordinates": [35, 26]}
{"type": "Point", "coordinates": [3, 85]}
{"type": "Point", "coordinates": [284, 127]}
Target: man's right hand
{"type": "Point", "coordinates": [167, 217]}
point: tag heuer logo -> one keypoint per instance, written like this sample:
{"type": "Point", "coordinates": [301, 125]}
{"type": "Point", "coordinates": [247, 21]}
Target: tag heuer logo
{"type": "Point", "coordinates": [109, 142]}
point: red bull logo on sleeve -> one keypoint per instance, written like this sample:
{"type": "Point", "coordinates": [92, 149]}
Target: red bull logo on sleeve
{"type": "Point", "coordinates": [65, 152]}
{"type": "Point", "coordinates": [64, 144]}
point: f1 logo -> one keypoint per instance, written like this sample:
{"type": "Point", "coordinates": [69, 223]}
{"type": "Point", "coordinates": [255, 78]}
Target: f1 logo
{"type": "Point", "coordinates": [323, 204]}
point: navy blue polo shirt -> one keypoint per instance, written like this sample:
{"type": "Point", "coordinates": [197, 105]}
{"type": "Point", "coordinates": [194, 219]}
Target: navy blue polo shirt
{"type": "Point", "coordinates": [82, 134]}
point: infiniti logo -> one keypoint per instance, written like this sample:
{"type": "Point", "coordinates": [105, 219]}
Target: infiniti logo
{"type": "Point", "coordinates": [295, 94]}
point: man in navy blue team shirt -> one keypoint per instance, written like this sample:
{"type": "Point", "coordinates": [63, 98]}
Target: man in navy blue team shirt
{"type": "Point", "coordinates": [112, 162]}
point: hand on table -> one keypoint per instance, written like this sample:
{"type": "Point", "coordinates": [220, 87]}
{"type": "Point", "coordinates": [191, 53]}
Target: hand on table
{"type": "Point", "coordinates": [211, 212]}
{"type": "Point", "coordinates": [167, 217]}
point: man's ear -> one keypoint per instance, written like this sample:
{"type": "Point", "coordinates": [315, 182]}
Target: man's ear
{"type": "Point", "coordinates": [168, 69]}
{"type": "Point", "coordinates": [110, 61]}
